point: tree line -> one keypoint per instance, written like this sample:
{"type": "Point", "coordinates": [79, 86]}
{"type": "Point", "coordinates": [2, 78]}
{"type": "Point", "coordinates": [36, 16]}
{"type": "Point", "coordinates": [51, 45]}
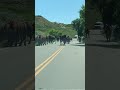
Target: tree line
{"type": "Point", "coordinates": [110, 13]}
{"type": "Point", "coordinates": [79, 23]}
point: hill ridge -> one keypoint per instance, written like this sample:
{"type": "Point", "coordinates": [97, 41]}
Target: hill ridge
{"type": "Point", "coordinates": [43, 25]}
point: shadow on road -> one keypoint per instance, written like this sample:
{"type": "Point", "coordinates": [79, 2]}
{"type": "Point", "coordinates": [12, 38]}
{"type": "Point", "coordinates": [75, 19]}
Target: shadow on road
{"type": "Point", "coordinates": [95, 34]}
{"type": "Point", "coordinates": [77, 45]}
{"type": "Point", "coordinates": [101, 41]}
{"type": "Point", "coordinates": [105, 41]}
{"type": "Point", "coordinates": [5, 45]}
{"type": "Point", "coordinates": [105, 45]}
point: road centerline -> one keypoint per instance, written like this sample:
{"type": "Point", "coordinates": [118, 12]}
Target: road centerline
{"type": "Point", "coordinates": [52, 58]}
{"type": "Point", "coordinates": [47, 59]}
{"type": "Point", "coordinates": [39, 68]}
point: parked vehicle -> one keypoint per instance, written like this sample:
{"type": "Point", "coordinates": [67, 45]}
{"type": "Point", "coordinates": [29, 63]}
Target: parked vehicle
{"type": "Point", "coordinates": [76, 36]}
{"type": "Point", "coordinates": [98, 26]}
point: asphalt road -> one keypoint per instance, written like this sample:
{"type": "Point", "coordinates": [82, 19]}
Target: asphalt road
{"type": "Point", "coordinates": [16, 64]}
{"type": "Point", "coordinates": [102, 63]}
{"type": "Point", "coordinates": [64, 69]}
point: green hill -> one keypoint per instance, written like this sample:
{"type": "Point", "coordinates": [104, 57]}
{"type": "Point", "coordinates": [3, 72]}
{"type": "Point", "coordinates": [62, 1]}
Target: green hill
{"type": "Point", "coordinates": [43, 26]}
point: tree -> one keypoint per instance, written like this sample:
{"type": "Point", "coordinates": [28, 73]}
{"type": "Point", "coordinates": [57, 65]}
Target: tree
{"type": "Point", "coordinates": [54, 32]}
{"type": "Point", "coordinates": [76, 25]}
{"type": "Point", "coordinates": [82, 21]}
{"type": "Point", "coordinates": [79, 23]}
{"type": "Point", "coordinates": [106, 9]}
{"type": "Point", "coordinates": [110, 12]}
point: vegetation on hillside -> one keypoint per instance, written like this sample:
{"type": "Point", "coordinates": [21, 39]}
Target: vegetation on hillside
{"type": "Point", "coordinates": [45, 27]}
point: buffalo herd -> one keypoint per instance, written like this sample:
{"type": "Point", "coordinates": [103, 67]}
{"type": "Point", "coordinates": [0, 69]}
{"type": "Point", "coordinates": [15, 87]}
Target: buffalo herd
{"type": "Point", "coordinates": [17, 33]}
{"type": "Point", "coordinates": [20, 32]}
{"type": "Point", "coordinates": [44, 40]}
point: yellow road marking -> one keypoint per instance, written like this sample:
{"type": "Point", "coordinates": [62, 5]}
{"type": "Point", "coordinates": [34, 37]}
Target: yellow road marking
{"type": "Point", "coordinates": [39, 68]}
{"type": "Point", "coordinates": [47, 59]}
{"type": "Point", "coordinates": [38, 71]}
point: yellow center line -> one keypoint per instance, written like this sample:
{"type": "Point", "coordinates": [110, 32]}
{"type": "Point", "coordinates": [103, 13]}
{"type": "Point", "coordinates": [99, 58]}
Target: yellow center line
{"type": "Point", "coordinates": [47, 59]}
{"type": "Point", "coordinates": [39, 68]}
{"type": "Point", "coordinates": [38, 71]}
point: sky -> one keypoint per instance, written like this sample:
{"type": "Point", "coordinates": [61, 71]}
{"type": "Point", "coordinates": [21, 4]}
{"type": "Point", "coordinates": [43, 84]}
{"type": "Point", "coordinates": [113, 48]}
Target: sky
{"type": "Point", "coordinates": [62, 11]}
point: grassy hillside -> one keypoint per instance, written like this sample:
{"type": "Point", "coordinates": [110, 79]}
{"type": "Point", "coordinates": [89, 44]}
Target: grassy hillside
{"type": "Point", "coordinates": [43, 26]}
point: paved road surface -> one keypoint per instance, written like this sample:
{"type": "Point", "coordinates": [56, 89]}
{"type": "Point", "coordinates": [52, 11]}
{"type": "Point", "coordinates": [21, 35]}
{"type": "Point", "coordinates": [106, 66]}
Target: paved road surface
{"type": "Point", "coordinates": [102, 63]}
{"type": "Point", "coordinates": [16, 64]}
{"type": "Point", "coordinates": [65, 71]}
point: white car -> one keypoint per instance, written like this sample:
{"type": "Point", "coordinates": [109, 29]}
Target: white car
{"type": "Point", "coordinates": [76, 36]}
{"type": "Point", "coordinates": [99, 25]}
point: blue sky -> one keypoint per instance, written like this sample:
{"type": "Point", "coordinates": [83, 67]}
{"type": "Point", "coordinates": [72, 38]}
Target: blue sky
{"type": "Point", "coordinates": [62, 11]}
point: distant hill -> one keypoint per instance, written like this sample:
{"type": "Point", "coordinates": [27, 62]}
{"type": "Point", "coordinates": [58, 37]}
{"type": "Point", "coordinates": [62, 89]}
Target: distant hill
{"type": "Point", "coordinates": [42, 25]}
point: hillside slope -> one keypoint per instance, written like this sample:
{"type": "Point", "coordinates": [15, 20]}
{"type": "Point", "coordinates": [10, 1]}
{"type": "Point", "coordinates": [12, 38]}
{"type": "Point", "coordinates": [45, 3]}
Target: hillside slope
{"type": "Point", "coordinates": [42, 26]}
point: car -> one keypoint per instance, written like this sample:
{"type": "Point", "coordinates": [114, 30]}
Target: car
{"type": "Point", "coordinates": [98, 26]}
{"type": "Point", "coordinates": [76, 36]}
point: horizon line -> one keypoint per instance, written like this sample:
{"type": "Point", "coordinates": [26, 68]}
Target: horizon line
{"type": "Point", "coordinates": [54, 21]}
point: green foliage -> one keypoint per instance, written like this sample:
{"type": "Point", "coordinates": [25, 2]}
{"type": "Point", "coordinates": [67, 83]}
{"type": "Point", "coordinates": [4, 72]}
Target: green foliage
{"type": "Point", "coordinates": [79, 23]}
{"type": "Point", "coordinates": [82, 21]}
{"type": "Point", "coordinates": [54, 32]}
{"type": "Point", "coordinates": [42, 25]}
{"type": "Point", "coordinates": [107, 9]}
{"type": "Point", "coordinates": [110, 13]}
{"type": "Point", "coordinates": [76, 24]}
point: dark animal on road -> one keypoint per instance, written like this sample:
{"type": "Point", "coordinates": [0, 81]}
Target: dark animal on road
{"type": "Point", "coordinates": [108, 33]}
{"type": "Point", "coordinates": [87, 32]}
